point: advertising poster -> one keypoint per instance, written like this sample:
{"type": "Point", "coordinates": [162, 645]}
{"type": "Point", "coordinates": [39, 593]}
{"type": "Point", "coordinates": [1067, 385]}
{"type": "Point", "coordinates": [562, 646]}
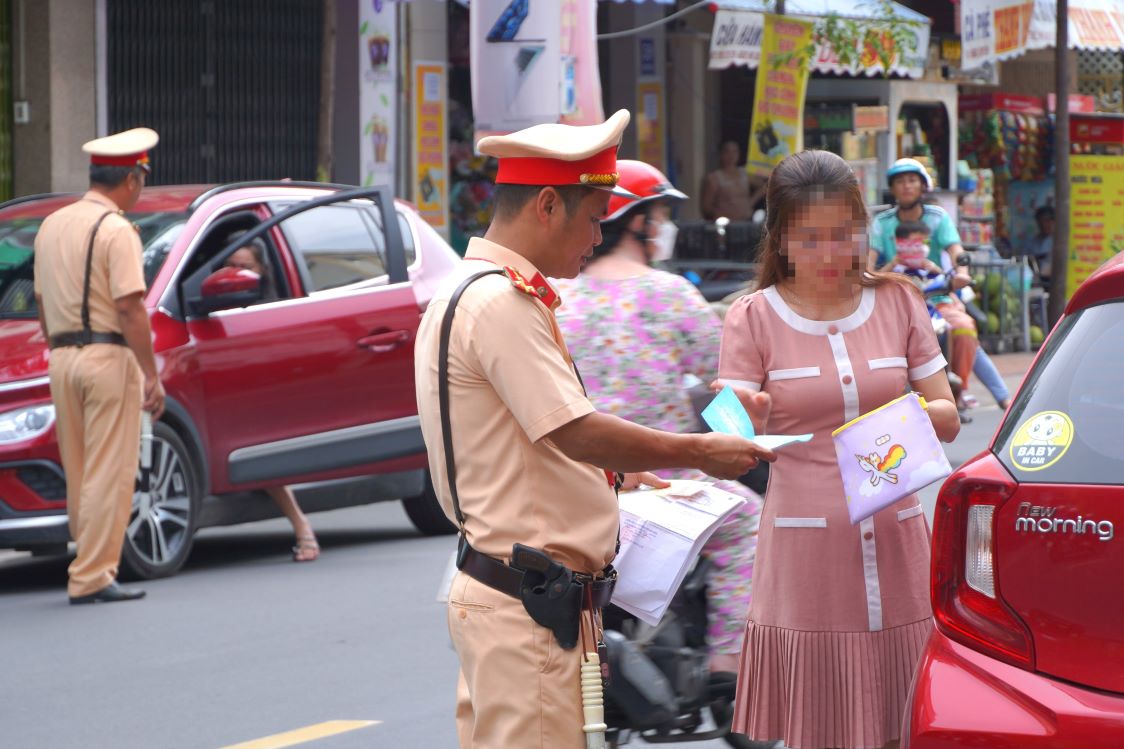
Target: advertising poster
{"type": "Point", "coordinates": [431, 187]}
{"type": "Point", "coordinates": [992, 30]}
{"type": "Point", "coordinates": [581, 96]}
{"type": "Point", "coordinates": [650, 123]}
{"type": "Point", "coordinates": [777, 129]}
{"type": "Point", "coordinates": [516, 61]}
{"type": "Point", "coordinates": [1096, 215]}
{"type": "Point", "coordinates": [378, 69]}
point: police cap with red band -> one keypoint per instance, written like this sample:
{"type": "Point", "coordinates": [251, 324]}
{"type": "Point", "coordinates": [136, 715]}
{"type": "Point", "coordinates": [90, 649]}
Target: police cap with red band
{"type": "Point", "coordinates": [555, 155]}
{"type": "Point", "coordinates": [129, 148]}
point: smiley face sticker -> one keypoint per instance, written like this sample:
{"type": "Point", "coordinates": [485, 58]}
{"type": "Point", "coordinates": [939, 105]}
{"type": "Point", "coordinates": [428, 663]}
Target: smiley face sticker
{"type": "Point", "coordinates": [1041, 441]}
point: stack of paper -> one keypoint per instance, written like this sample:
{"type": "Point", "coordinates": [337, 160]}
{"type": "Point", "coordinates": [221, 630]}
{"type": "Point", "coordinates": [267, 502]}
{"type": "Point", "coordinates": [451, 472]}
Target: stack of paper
{"type": "Point", "coordinates": [662, 531]}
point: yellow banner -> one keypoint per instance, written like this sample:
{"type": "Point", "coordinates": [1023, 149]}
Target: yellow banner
{"type": "Point", "coordinates": [431, 188]}
{"type": "Point", "coordinates": [650, 123]}
{"type": "Point", "coordinates": [1096, 215]}
{"type": "Point", "coordinates": [778, 101]}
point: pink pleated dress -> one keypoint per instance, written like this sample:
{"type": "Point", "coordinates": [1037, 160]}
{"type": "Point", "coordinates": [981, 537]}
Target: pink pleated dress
{"type": "Point", "coordinates": [840, 612]}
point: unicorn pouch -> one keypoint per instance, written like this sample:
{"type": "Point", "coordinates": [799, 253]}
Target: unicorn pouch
{"type": "Point", "coordinates": [887, 454]}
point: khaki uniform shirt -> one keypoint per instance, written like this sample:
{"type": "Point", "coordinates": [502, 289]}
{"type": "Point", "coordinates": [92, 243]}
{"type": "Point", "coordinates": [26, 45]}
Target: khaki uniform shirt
{"type": "Point", "coordinates": [511, 383]}
{"type": "Point", "coordinates": [60, 265]}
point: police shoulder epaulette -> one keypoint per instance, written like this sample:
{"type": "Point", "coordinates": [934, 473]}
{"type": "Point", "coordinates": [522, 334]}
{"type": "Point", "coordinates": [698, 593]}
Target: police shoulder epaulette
{"type": "Point", "coordinates": [519, 282]}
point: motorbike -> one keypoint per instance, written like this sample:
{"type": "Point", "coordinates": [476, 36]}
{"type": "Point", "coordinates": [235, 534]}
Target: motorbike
{"type": "Point", "coordinates": [934, 285]}
{"type": "Point", "coordinates": [661, 689]}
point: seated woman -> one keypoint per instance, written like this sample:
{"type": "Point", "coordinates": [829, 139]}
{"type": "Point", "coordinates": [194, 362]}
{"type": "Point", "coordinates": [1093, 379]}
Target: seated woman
{"type": "Point", "coordinates": [253, 257]}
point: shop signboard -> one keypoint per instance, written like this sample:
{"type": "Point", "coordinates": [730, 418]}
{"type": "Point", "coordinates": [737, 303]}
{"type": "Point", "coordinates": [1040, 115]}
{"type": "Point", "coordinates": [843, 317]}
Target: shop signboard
{"type": "Point", "coordinates": [992, 30]}
{"type": "Point", "coordinates": [871, 119]}
{"type": "Point", "coordinates": [582, 105]}
{"type": "Point", "coordinates": [777, 129]}
{"type": "Point", "coordinates": [1096, 215]}
{"type": "Point", "coordinates": [650, 123]}
{"type": "Point", "coordinates": [430, 183]}
{"type": "Point", "coordinates": [737, 40]}
{"type": "Point", "coordinates": [378, 70]}
{"type": "Point", "coordinates": [516, 64]}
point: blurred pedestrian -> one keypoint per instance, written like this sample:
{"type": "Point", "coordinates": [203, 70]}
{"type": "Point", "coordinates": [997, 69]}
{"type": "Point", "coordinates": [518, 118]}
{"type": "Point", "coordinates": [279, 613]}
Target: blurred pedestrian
{"type": "Point", "coordinates": [89, 287]}
{"type": "Point", "coordinates": [729, 191]}
{"type": "Point", "coordinates": [840, 612]}
{"type": "Point", "coordinates": [1041, 246]}
{"type": "Point", "coordinates": [635, 334]}
{"type": "Point", "coordinates": [535, 463]}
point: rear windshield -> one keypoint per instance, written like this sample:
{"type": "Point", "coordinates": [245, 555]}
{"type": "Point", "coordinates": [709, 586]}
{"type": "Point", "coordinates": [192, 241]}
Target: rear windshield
{"type": "Point", "coordinates": [158, 231]}
{"type": "Point", "coordinates": [1066, 425]}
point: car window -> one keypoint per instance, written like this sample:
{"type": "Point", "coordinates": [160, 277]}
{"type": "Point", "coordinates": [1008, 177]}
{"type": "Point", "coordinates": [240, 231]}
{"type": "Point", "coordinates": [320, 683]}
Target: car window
{"type": "Point", "coordinates": [1065, 426]}
{"type": "Point", "coordinates": [158, 232]}
{"type": "Point", "coordinates": [339, 245]}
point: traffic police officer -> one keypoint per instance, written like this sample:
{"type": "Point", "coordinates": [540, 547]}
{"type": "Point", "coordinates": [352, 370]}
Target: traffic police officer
{"type": "Point", "coordinates": [530, 454]}
{"type": "Point", "coordinates": [89, 288]}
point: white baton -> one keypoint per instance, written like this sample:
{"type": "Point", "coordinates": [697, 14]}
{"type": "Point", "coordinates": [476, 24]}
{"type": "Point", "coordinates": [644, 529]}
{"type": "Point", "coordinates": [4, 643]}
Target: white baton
{"type": "Point", "coordinates": [593, 702]}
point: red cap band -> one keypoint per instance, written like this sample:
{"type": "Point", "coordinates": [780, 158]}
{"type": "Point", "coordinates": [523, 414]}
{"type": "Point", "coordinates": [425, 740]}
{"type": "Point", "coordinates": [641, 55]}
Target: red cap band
{"type": "Point", "coordinates": [132, 159]}
{"type": "Point", "coordinates": [599, 170]}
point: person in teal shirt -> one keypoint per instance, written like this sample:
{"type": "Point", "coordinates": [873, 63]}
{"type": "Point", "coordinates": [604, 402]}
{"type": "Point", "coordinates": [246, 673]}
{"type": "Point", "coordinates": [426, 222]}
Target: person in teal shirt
{"type": "Point", "coordinates": [908, 182]}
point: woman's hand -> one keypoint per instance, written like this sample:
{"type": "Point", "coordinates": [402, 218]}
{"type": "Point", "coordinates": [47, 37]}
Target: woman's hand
{"type": "Point", "coordinates": [942, 407]}
{"type": "Point", "coordinates": [757, 405]}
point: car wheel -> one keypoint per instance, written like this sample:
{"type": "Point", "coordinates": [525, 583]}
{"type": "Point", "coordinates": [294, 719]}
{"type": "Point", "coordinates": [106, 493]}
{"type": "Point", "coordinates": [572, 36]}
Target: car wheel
{"type": "Point", "coordinates": [163, 519]}
{"type": "Point", "coordinates": [425, 512]}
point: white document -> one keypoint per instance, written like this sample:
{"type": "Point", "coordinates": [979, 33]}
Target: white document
{"type": "Point", "coordinates": [662, 531]}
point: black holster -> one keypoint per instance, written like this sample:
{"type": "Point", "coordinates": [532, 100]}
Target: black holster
{"type": "Point", "coordinates": [550, 593]}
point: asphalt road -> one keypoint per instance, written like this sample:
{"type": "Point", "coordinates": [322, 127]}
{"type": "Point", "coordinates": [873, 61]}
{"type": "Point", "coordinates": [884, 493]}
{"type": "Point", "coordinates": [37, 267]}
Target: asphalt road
{"type": "Point", "coordinates": [244, 644]}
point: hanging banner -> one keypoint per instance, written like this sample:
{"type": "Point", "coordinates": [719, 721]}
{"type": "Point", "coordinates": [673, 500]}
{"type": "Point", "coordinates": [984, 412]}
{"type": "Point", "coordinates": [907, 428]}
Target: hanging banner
{"type": "Point", "coordinates": [515, 51]}
{"type": "Point", "coordinates": [778, 102]}
{"type": "Point", "coordinates": [1096, 215]}
{"type": "Point", "coordinates": [737, 40]}
{"type": "Point", "coordinates": [431, 188]}
{"type": "Point", "coordinates": [378, 70]}
{"type": "Point", "coordinates": [581, 93]}
{"type": "Point", "coordinates": [650, 123]}
{"type": "Point", "coordinates": [992, 30]}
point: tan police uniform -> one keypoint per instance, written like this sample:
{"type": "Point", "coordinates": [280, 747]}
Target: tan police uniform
{"type": "Point", "coordinates": [512, 383]}
{"type": "Point", "coordinates": [96, 387]}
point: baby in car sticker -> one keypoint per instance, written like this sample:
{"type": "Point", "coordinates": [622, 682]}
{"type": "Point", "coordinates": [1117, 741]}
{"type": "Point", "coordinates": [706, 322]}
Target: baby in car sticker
{"type": "Point", "coordinates": [1041, 441]}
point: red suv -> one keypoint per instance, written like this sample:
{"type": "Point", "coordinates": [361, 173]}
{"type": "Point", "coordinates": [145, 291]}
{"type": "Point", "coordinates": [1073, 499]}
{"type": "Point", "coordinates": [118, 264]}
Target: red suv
{"type": "Point", "coordinates": [303, 376]}
{"type": "Point", "coordinates": [1028, 575]}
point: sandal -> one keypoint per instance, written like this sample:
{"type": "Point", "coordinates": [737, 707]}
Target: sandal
{"type": "Point", "coordinates": [306, 550]}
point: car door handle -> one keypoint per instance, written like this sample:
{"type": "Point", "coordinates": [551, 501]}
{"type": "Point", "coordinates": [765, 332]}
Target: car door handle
{"type": "Point", "coordinates": [382, 342]}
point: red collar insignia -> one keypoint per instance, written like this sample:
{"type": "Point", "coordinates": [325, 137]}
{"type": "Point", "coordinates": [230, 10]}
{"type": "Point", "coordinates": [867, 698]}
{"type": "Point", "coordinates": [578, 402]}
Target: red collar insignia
{"type": "Point", "coordinates": [536, 287]}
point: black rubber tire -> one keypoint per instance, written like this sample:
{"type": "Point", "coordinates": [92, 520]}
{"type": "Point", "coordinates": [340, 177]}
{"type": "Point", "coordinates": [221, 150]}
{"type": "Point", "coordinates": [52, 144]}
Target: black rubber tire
{"type": "Point", "coordinates": [426, 514]}
{"type": "Point", "coordinates": [135, 564]}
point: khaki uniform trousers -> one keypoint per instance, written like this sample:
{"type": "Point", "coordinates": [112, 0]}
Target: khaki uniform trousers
{"type": "Point", "coordinates": [97, 394]}
{"type": "Point", "coordinates": [518, 689]}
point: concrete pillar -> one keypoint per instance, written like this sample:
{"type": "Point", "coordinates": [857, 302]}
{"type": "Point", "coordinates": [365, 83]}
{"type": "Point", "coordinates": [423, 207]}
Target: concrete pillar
{"type": "Point", "coordinates": [692, 132]}
{"type": "Point", "coordinates": [55, 72]}
{"type": "Point", "coordinates": [345, 120]}
{"type": "Point", "coordinates": [428, 42]}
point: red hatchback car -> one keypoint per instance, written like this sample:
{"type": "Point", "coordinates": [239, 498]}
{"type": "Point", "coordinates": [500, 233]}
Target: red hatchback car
{"type": "Point", "coordinates": [1028, 575]}
{"type": "Point", "coordinates": [303, 376]}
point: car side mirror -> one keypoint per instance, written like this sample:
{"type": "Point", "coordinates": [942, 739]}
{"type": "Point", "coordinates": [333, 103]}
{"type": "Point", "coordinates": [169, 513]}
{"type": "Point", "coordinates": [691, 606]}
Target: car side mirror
{"type": "Point", "coordinates": [227, 288]}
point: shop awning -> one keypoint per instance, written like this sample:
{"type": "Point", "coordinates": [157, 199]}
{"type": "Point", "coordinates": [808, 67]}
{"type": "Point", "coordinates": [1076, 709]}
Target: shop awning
{"type": "Point", "coordinates": [738, 25]}
{"type": "Point", "coordinates": [992, 30]}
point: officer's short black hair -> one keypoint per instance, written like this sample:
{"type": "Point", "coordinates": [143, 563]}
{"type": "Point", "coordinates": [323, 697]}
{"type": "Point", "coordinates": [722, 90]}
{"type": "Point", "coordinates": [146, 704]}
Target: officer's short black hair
{"type": "Point", "coordinates": [511, 199]}
{"type": "Point", "coordinates": [109, 176]}
{"type": "Point", "coordinates": [907, 228]}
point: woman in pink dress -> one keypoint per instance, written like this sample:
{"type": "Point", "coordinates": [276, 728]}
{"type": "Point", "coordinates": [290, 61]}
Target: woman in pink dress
{"type": "Point", "coordinates": [839, 612]}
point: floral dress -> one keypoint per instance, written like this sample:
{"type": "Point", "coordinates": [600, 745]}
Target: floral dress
{"type": "Point", "coordinates": [634, 340]}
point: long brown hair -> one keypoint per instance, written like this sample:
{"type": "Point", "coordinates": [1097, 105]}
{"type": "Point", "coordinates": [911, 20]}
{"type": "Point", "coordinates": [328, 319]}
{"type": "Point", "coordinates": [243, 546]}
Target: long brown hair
{"type": "Point", "coordinates": [799, 180]}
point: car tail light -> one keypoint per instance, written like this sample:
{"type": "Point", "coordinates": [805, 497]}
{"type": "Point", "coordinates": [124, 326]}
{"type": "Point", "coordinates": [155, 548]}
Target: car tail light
{"type": "Point", "coordinates": [965, 594]}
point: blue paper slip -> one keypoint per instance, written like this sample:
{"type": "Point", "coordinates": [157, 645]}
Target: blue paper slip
{"type": "Point", "coordinates": [726, 414]}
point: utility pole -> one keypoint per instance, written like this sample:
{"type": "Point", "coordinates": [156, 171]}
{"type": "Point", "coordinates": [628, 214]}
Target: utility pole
{"type": "Point", "coordinates": [1059, 259]}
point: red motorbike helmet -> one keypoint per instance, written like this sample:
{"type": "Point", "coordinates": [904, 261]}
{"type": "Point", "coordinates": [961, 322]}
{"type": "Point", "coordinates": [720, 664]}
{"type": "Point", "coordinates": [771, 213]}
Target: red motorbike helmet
{"type": "Point", "coordinates": [644, 181]}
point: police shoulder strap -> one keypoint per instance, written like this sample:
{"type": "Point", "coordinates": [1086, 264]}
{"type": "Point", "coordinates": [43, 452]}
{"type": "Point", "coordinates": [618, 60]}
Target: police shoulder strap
{"type": "Point", "coordinates": [86, 330]}
{"type": "Point", "coordinates": [443, 388]}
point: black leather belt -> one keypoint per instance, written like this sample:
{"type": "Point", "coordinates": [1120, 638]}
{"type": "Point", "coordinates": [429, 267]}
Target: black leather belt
{"type": "Point", "coordinates": [495, 574]}
{"type": "Point", "coordinates": [82, 338]}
